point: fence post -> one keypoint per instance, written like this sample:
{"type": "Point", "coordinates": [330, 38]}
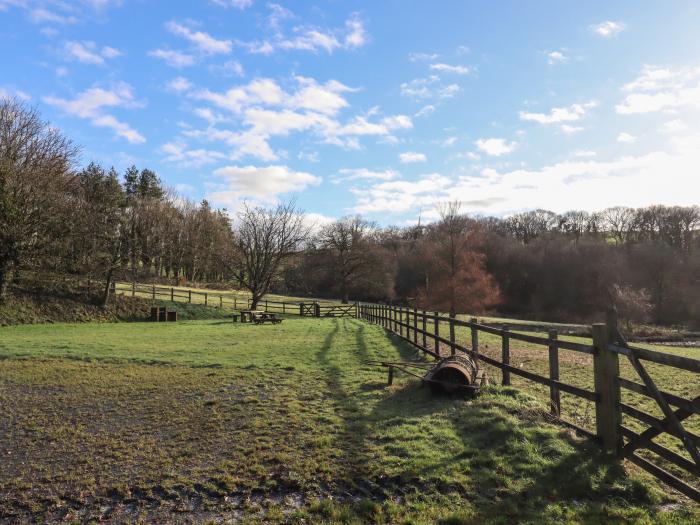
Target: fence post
{"type": "Point", "coordinates": [415, 326]}
{"type": "Point", "coordinates": [133, 288]}
{"type": "Point", "coordinates": [266, 305]}
{"type": "Point", "coordinates": [189, 296]}
{"type": "Point", "coordinates": [437, 334]}
{"type": "Point", "coordinates": [317, 308]}
{"type": "Point", "coordinates": [554, 395]}
{"type": "Point", "coordinates": [425, 328]}
{"type": "Point", "coordinates": [505, 356]}
{"type": "Point", "coordinates": [154, 291]}
{"type": "Point", "coordinates": [475, 337]}
{"type": "Point", "coordinates": [606, 368]}
{"type": "Point", "coordinates": [206, 298]}
{"type": "Point", "coordinates": [172, 293]}
{"type": "Point", "coordinates": [452, 333]}
{"type": "Point", "coordinates": [221, 301]}
{"type": "Point", "coordinates": [235, 307]}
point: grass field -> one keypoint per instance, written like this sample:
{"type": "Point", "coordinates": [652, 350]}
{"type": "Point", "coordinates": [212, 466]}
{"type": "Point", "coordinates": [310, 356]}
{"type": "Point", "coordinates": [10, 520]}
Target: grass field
{"type": "Point", "coordinates": [207, 421]}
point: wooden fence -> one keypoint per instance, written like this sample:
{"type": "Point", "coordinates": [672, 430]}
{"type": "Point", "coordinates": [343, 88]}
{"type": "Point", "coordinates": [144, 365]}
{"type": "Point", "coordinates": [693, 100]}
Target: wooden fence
{"type": "Point", "coordinates": [422, 330]}
{"type": "Point", "coordinates": [223, 300]}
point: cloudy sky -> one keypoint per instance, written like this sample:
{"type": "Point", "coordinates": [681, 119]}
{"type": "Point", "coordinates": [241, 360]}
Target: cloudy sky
{"type": "Point", "coordinates": [378, 108]}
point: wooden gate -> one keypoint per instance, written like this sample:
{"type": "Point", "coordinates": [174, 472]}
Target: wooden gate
{"type": "Point", "coordinates": [631, 442]}
{"type": "Point", "coordinates": [344, 310]}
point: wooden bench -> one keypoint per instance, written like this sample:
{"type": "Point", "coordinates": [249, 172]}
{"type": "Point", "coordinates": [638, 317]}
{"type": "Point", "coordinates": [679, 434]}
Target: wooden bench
{"type": "Point", "coordinates": [257, 317]}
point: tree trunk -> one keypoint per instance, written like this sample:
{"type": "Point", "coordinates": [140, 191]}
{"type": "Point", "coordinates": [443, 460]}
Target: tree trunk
{"type": "Point", "coordinates": [4, 271]}
{"type": "Point", "coordinates": [108, 286]}
{"type": "Point", "coordinates": [254, 302]}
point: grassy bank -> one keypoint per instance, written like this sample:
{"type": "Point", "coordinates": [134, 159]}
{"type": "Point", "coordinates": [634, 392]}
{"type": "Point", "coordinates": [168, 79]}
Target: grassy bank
{"type": "Point", "coordinates": [207, 420]}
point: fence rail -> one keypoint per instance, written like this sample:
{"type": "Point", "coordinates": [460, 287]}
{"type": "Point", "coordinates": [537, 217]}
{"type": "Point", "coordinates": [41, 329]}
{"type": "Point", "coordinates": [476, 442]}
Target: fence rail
{"type": "Point", "coordinates": [412, 326]}
{"type": "Point", "coordinates": [223, 300]}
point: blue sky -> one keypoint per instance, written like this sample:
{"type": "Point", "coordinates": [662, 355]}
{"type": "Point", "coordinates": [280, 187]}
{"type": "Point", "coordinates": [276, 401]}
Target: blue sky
{"type": "Point", "coordinates": [379, 108]}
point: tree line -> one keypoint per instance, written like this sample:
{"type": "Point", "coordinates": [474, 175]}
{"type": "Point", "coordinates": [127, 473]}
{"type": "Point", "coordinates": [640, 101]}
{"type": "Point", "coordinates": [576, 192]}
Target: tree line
{"type": "Point", "coordinates": [102, 224]}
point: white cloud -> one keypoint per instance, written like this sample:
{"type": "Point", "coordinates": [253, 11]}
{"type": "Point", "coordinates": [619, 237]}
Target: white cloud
{"type": "Point", "coordinates": [347, 174]}
{"type": "Point", "coordinates": [449, 142]}
{"type": "Point", "coordinates": [268, 110]}
{"type": "Point", "coordinates": [559, 115]}
{"type": "Point", "coordinates": [173, 58]}
{"type": "Point", "coordinates": [238, 4]}
{"type": "Point", "coordinates": [608, 29]}
{"type": "Point", "coordinates": [673, 126]}
{"type": "Point", "coordinates": [88, 52]}
{"type": "Point", "coordinates": [495, 147]}
{"type": "Point", "coordinates": [415, 57]}
{"type": "Point", "coordinates": [447, 68]}
{"type": "Point", "coordinates": [661, 89]}
{"type": "Point", "coordinates": [579, 183]}
{"type": "Point", "coordinates": [204, 42]}
{"type": "Point", "coordinates": [264, 183]}
{"type": "Point", "coordinates": [308, 38]}
{"type": "Point", "coordinates": [356, 35]}
{"type": "Point", "coordinates": [626, 138]}
{"type": "Point", "coordinates": [179, 84]}
{"type": "Point", "coordinates": [425, 111]}
{"type": "Point", "coordinates": [401, 195]}
{"type": "Point", "coordinates": [179, 153]}
{"type": "Point", "coordinates": [89, 105]}
{"type": "Point", "coordinates": [570, 130]}
{"type": "Point", "coordinates": [13, 93]}
{"type": "Point", "coordinates": [556, 57]}
{"type": "Point", "coordinates": [411, 157]}
{"type": "Point", "coordinates": [230, 68]}
{"type": "Point", "coordinates": [428, 87]}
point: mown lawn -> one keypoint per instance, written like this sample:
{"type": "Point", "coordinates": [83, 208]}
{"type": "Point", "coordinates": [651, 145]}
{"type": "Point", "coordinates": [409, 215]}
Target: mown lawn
{"type": "Point", "coordinates": [204, 421]}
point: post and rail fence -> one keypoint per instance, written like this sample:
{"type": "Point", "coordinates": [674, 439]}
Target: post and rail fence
{"type": "Point", "coordinates": [422, 330]}
{"type": "Point", "coordinates": [607, 346]}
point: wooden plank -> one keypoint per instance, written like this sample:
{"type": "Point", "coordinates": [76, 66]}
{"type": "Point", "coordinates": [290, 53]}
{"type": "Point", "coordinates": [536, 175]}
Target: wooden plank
{"type": "Point", "coordinates": [666, 477]}
{"type": "Point", "coordinates": [452, 334]}
{"type": "Point", "coordinates": [424, 330]}
{"type": "Point", "coordinates": [661, 425]}
{"type": "Point", "coordinates": [638, 440]}
{"type": "Point", "coordinates": [676, 361]}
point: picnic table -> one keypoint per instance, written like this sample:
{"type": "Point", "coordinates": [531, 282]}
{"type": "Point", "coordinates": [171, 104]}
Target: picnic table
{"type": "Point", "coordinates": [257, 317]}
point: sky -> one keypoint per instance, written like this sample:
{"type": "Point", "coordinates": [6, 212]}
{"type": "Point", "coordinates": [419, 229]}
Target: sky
{"type": "Point", "coordinates": [379, 108]}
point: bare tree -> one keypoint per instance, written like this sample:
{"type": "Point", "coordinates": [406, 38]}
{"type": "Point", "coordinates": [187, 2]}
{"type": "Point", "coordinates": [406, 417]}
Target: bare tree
{"type": "Point", "coordinates": [35, 161]}
{"type": "Point", "coordinates": [347, 242]}
{"type": "Point", "coordinates": [265, 239]}
{"type": "Point", "coordinates": [619, 223]}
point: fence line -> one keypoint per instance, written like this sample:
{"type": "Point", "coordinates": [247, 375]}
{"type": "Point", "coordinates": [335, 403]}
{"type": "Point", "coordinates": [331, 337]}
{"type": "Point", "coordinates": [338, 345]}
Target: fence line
{"type": "Point", "coordinates": [222, 300]}
{"type": "Point", "coordinates": [607, 346]}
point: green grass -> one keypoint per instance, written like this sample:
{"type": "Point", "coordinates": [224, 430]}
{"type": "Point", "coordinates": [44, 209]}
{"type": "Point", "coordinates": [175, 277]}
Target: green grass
{"type": "Point", "coordinates": [207, 420]}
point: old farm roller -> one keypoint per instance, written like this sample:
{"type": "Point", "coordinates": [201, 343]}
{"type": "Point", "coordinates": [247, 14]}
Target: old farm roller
{"type": "Point", "coordinates": [455, 374]}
